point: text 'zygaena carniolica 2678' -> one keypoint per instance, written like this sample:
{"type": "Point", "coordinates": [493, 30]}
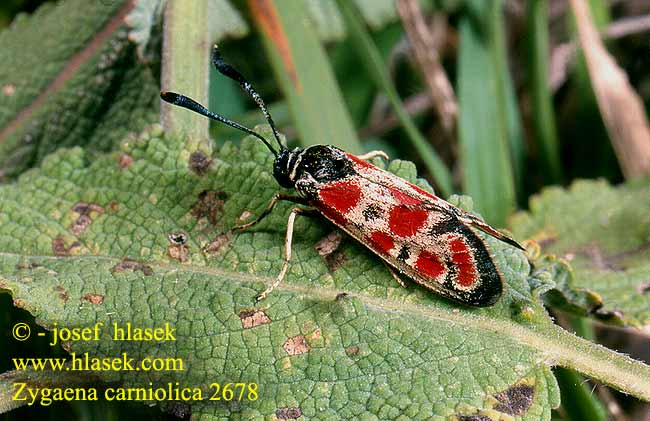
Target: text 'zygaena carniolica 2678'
{"type": "Point", "coordinates": [417, 233]}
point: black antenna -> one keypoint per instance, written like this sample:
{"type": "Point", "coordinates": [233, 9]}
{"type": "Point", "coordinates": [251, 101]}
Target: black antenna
{"type": "Point", "coordinates": [229, 71]}
{"type": "Point", "coordinates": [190, 104]}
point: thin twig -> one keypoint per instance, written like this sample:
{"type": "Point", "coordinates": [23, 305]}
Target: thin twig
{"type": "Point", "coordinates": [426, 54]}
{"type": "Point", "coordinates": [613, 408]}
{"type": "Point", "coordinates": [564, 53]}
{"type": "Point", "coordinates": [414, 105]}
{"type": "Point", "coordinates": [621, 108]}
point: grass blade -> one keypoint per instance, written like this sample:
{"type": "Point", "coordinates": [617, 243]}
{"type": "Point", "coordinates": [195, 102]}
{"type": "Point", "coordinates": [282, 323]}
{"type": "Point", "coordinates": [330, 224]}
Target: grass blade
{"type": "Point", "coordinates": [376, 69]}
{"type": "Point", "coordinates": [543, 116]}
{"type": "Point", "coordinates": [306, 78]}
{"type": "Point", "coordinates": [483, 122]}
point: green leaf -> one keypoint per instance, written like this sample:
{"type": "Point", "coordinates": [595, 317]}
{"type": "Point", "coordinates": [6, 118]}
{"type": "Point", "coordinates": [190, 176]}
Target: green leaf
{"type": "Point", "coordinates": [485, 120]}
{"type": "Point", "coordinates": [305, 75]}
{"type": "Point", "coordinates": [604, 232]}
{"type": "Point", "coordinates": [81, 84]}
{"type": "Point", "coordinates": [86, 242]}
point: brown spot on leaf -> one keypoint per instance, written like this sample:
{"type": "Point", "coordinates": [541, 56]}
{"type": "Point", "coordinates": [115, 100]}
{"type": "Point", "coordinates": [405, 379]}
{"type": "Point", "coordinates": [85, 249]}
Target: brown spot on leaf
{"type": "Point", "coordinates": [20, 303]}
{"type": "Point", "coordinates": [199, 162]}
{"type": "Point", "coordinates": [178, 238]}
{"type": "Point", "coordinates": [61, 292]}
{"type": "Point", "coordinates": [80, 224]}
{"type": "Point", "coordinates": [179, 252]}
{"type": "Point", "coordinates": [86, 212]}
{"type": "Point", "coordinates": [177, 249]}
{"type": "Point", "coordinates": [328, 244]}
{"type": "Point", "coordinates": [87, 208]}
{"type": "Point", "coordinates": [474, 418]}
{"type": "Point", "coordinates": [341, 296]}
{"type": "Point", "coordinates": [218, 242]}
{"type": "Point", "coordinates": [124, 161]}
{"type": "Point", "coordinates": [209, 205]}
{"type": "Point", "coordinates": [296, 345]}
{"type": "Point", "coordinates": [335, 260]}
{"type": "Point", "coordinates": [58, 246]}
{"type": "Point", "coordinates": [113, 206]}
{"type": "Point", "coordinates": [93, 298]}
{"type": "Point", "coordinates": [317, 334]}
{"type": "Point", "coordinates": [327, 248]}
{"type": "Point", "coordinates": [515, 400]}
{"type": "Point", "coordinates": [8, 89]}
{"type": "Point", "coordinates": [128, 264]}
{"type": "Point", "coordinates": [288, 413]}
{"type": "Point", "coordinates": [30, 265]}
{"type": "Point", "coordinates": [60, 249]}
{"type": "Point", "coordinates": [252, 318]}
{"type": "Point", "coordinates": [351, 351]}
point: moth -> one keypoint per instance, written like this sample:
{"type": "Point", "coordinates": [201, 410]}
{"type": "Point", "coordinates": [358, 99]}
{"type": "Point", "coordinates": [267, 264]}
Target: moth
{"type": "Point", "coordinates": [416, 233]}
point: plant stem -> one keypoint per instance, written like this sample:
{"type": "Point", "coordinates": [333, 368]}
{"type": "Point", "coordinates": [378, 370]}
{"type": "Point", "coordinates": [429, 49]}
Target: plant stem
{"type": "Point", "coordinates": [602, 364]}
{"type": "Point", "coordinates": [186, 54]}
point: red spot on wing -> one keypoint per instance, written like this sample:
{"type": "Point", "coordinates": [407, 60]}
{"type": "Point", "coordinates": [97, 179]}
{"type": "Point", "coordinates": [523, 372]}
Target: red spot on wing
{"type": "Point", "coordinates": [342, 195]}
{"type": "Point", "coordinates": [405, 222]}
{"type": "Point", "coordinates": [381, 242]}
{"type": "Point", "coordinates": [404, 198]}
{"type": "Point", "coordinates": [462, 258]}
{"type": "Point", "coordinates": [429, 264]}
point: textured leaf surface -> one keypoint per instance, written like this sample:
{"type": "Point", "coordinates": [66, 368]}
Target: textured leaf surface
{"type": "Point", "coordinates": [81, 84]}
{"type": "Point", "coordinates": [604, 232]}
{"type": "Point", "coordinates": [380, 351]}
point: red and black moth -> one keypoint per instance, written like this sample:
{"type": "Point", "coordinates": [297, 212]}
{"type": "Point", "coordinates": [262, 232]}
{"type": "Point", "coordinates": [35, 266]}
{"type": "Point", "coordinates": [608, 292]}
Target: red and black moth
{"type": "Point", "coordinates": [417, 233]}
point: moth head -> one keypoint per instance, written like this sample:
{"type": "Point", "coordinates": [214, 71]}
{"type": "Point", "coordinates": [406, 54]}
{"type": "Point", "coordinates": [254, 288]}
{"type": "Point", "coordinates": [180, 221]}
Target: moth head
{"type": "Point", "coordinates": [282, 167]}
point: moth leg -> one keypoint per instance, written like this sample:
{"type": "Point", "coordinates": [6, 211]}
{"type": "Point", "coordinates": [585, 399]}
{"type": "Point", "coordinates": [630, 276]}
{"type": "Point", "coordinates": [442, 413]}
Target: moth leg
{"type": "Point", "coordinates": [278, 197]}
{"type": "Point", "coordinates": [287, 249]}
{"type": "Point", "coordinates": [373, 154]}
{"type": "Point", "coordinates": [395, 275]}
{"type": "Point", "coordinates": [216, 244]}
